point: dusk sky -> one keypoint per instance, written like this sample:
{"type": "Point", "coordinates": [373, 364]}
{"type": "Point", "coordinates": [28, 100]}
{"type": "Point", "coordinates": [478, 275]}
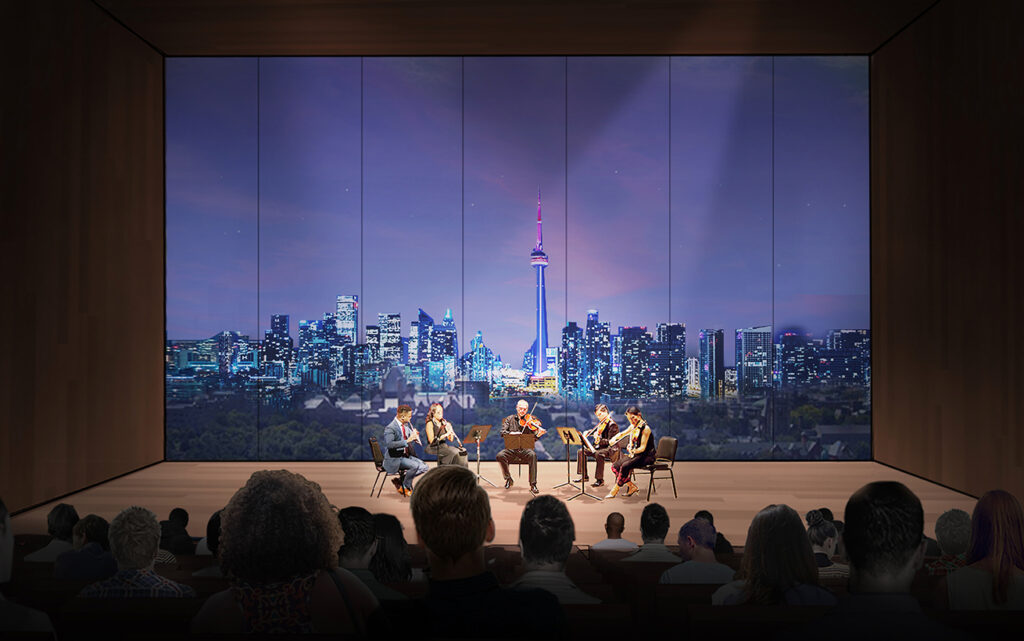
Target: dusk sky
{"type": "Point", "coordinates": [268, 170]}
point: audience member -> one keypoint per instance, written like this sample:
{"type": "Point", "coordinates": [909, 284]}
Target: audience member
{"type": "Point", "coordinates": [614, 526]}
{"type": "Point", "coordinates": [453, 520]}
{"type": "Point", "coordinates": [360, 546]}
{"type": "Point", "coordinates": [993, 578]}
{"type": "Point", "coordinates": [840, 552]}
{"type": "Point", "coordinates": [546, 533]}
{"type": "Point", "coordinates": [134, 540]}
{"type": "Point", "coordinates": [722, 545]}
{"type": "Point", "coordinates": [778, 565]}
{"type": "Point", "coordinates": [953, 532]}
{"type": "Point", "coordinates": [173, 536]}
{"type": "Point", "coordinates": [391, 562]}
{"type": "Point", "coordinates": [59, 523]}
{"type": "Point", "coordinates": [203, 544]}
{"type": "Point", "coordinates": [885, 541]}
{"type": "Point", "coordinates": [15, 617]}
{"type": "Point", "coordinates": [279, 542]}
{"type": "Point", "coordinates": [90, 560]}
{"type": "Point", "coordinates": [653, 530]}
{"type": "Point", "coordinates": [826, 514]}
{"type": "Point", "coordinates": [697, 549]}
{"type": "Point", "coordinates": [824, 537]}
{"type": "Point", "coordinates": [211, 544]}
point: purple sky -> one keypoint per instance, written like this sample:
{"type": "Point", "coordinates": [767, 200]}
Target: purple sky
{"type": "Point", "coordinates": [706, 261]}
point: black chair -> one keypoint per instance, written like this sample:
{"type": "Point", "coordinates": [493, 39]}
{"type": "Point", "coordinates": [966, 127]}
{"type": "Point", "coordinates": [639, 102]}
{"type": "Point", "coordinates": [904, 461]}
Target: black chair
{"type": "Point", "coordinates": [378, 461]}
{"type": "Point", "coordinates": [665, 458]}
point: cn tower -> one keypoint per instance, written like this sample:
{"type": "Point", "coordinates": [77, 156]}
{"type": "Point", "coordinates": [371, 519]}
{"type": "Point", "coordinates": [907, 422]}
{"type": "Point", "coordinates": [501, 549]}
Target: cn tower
{"type": "Point", "coordinates": [539, 260]}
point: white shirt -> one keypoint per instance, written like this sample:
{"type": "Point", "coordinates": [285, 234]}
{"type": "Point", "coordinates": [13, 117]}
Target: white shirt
{"type": "Point", "coordinates": [698, 572]}
{"type": "Point", "coordinates": [615, 545]}
{"type": "Point", "coordinates": [652, 553]}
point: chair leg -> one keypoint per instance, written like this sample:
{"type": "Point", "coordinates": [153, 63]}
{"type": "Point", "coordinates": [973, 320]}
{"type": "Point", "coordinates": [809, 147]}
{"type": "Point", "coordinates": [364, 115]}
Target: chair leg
{"type": "Point", "coordinates": [382, 484]}
{"type": "Point", "coordinates": [673, 477]}
{"type": "Point", "coordinates": [374, 486]}
{"type": "Point", "coordinates": [650, 486]}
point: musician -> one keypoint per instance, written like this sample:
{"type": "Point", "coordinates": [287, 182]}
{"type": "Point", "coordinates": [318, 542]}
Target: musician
{"type": "Point", "coordinates": [598, 437]}
{"type": "Point", "coordinates": [517, 424]}
{"type": "Point", "coordinates": [640, 451]}
{"type": "Point", "coordinates": [438, 431]}
{"type": "Point", "coordinates": [399, 436]}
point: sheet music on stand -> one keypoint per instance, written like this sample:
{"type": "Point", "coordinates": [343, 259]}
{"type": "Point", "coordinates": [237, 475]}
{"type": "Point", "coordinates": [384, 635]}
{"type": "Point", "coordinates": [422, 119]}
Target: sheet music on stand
{"type": "Point", "coordinates": [586, 443]}
{"type": "Point", "coordinates": [571, 436]}
{"type": "Point", "coordinates": [520, 441]}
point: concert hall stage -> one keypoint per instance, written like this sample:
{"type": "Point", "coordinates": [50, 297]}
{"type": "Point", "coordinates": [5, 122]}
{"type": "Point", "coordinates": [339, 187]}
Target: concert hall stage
{"type": "Point", "coordinates": [732, 491]}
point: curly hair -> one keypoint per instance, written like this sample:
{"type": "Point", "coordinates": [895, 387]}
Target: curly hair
{"type": "Point", "coordinates": [134, 536]}
{"type": "Point", "coordinates": [278, 525]}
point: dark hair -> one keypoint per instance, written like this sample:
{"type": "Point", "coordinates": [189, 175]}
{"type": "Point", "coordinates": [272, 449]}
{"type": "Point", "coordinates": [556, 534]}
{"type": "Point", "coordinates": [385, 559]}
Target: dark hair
{"type": "Point", "coordinates": [601, 406]}
{"type": "Point", "coordinates": [179, 515]}
{"type": "Point", "coordinates": [451, 511]}
{"type": "Point", "coordinates": [819, 528]}
{"type": "Point", "coordinates": [213, 532]}
{"type": "Point", "coordinates": [997, 528]}
{"type": "Point", "coordinates": [61, 520]}
{"type": "Point", "coordinates": [634, 410]}
{"type": "Point", "coordinates": [614, 521]}
{"type": "Point", "coordinates": [777, 556]}
{"type": "Point", "coordinates": [402, 409]}
{"type": "Point", "coordinates": [826, 514]}
{"type": "Point", "coordinates": [884, 526]}
{"type": "Point", "coordinates": [701, 531]}
{"type": "Point", "coordinates": [391, 562]}
{"type": "Point", "coordinates": [94, 528]}
{"type": "Point", "coordinates": [653, 523]}
{"type": "Point", "coordinates": [704, 514]}
{"type": "Point", "coordinates": [546, 531]}
{"type": "Point", "coordinates": [357, 522]}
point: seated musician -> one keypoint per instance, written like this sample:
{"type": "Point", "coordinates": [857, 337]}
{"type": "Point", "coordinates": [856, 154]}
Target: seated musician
{"type": "Point", "coordinates": [640, 451]}
{"type": "Point", "coordinates": [598, 437]}
{"type": "Point", "coordinates": [438, 432]}
{"type": "Point", "coordinates": [518, 423]}
{"type": "Point", "coordinates": [399, 436]}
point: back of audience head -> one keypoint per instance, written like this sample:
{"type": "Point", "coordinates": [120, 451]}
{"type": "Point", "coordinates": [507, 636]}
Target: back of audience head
{"type": "Point", "coordinates": [179, 515]}
{"type": "Point", "coordinates": [134, 538]}
{"type": "Point", "coordinates": [997, 535]}
{"type": "Point", "coordinates": [213, 532]}
{"type": "Point", "coordinates": [953, 531]}
{"type": "Point", "coordinates": [91, 529]}
{"type": "Point", "coordinates": [452, 513]}
{"type": "Point", "coordinates": [777, 555]}
{"type": "Point", "coordinates": [546, 532]}
{"type": "Point", "coordinates": [821, 531]}
{"type": "Point", "coordinates": [654, 523]}
{"type": "Point", "coordinates": [615, 525]}
{"type": "Point", "coordinates": [696, 533]}
{"type": "Point", "coordinates": [61, 521]}
{"type": "Point", "coordinates": [884, 536]}
{"type": "Point", "coordinates": [704, 514]}
{"type": "Point", "coordinates": [360, 537]}
{"type": "Point", "coordinates": [826, 514]}
{"type": "Point", "coordinates": [278, 525]}
{"type": "Point", "coordinates": [391, 561]}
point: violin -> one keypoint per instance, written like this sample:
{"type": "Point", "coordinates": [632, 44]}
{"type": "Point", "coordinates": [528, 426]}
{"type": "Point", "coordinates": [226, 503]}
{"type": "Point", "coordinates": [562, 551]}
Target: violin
{"type": "Point", "coordinates": [529, 421]}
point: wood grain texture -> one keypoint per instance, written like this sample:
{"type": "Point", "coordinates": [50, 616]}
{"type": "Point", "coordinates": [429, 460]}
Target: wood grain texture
{"type": "Point", "coordinates": [510, 27]}
{"type": "Point", "coordinates": [947, 272]}
{"type": "Point", "coordinates": [82, 249]}
{"type": "Point", "coordinates": [733, 492]}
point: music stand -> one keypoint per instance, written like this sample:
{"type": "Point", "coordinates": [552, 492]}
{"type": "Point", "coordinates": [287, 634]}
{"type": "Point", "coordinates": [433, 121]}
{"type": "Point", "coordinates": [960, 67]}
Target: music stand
{"type": "Point", "coordinates": [478, 433]}
{"type": "Point", "coordinates": [571, 436]}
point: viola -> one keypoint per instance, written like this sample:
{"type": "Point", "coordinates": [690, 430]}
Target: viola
{"type": "Point", "coordinates": [529, 421]}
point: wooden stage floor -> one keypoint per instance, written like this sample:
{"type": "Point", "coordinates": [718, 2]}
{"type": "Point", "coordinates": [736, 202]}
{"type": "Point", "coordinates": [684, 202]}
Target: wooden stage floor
{"type": "Point", "coordinates": [732, 491]}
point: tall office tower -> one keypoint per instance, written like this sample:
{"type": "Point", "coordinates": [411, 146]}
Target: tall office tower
{"type": "Point", "coordinates": [598, 354]}
{"type": "Point", "coordinates": [636, 362]}
{"type": "Point", "coordinates": [571, 382]}
{"type": "Point", "coordinates": [426, 328]}
{"type": "Point", "coordinates": [847, 357]}
{"type": "Point", "coordinates": [796, 359]}
{"type": "Point", "coordinates": [673, 337]}
{"type": "Point", "coordinates": [444, 340]}
{"type": "Point", "coordinates": [373, 344]}
{"type": "Point", "coordinates": [849, 339]}
{"type": "Point", "coordinates": [347, 318]}
{"type": "Point", "coordinates": [448, 323]}
{"type": "Point", "coordinates": [753, 359]}
{"type": "Point", "coordinates": [413, 344]}
{"type": "Point", "coordinates": [693, 376]}
{"type": "Point", "coordinates": [390, 338]}
{"type": "Point", "coordinates": [712, 361]}
{"type": "Point", "coordinates": [277, 343]}
{"type": "Point", "coordinates": [539, 261]}
{"type": "Point", "coordinates": [615, 351]}
{"type": "Point", "coordinates": [480, 361]}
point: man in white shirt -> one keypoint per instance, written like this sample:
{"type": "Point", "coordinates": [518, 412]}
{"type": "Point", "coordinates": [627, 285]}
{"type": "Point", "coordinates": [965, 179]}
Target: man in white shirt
{"type": "Point", "coordinates": [653, 529]}
{"type": "Point", "coordinates": [697, 549]}
{"type": "Point", "coordinates": [614, 526]}
{"type": "Point", "coordinates": [59, 523]}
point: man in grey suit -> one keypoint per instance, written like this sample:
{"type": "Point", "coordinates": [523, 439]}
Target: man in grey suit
{"type": "Point", "coordinates": [399, 435]}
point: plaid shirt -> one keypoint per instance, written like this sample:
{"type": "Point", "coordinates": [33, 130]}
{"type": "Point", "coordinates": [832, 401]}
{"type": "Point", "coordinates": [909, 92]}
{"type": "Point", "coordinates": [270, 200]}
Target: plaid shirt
{"type": "Point", "coordinates": [946, 564]}
{"type": "Point", "coordinates": [134, 584]}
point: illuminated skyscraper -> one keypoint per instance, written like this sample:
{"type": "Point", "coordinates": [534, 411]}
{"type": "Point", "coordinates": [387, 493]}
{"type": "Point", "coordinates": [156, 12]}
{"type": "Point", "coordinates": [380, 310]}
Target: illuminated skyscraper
{"type": "Point", "coordinates": [347, 318]}
{"type": "Point", "coordinates": [636, 362]}
{"type": "Point", "coordinates": [424, 330]}
{"type": "Point", "coordinates": [571, 382]}
{"type": "Point", "coordinates": [539, 260]}
{"type": "Point", "coordinates": [712, 362]}
{"type": "Point", "coordinates": [373, 343]}
{"type": "Point", "coordinates": [598, 354]}
{"type": "Point", "coordinates": [753, 359]}
{"type": "Point", "coordinates": [390, 337]}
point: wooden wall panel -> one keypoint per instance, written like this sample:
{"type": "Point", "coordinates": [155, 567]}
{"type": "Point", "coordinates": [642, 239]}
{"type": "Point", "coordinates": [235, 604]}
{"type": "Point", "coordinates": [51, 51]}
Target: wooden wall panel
{"type": "Point", "coordinates": [81, 191]}
{"type": "Point", "coordinates": [947, 267]}
{"type": "Point", "coordinates": [509, 27]}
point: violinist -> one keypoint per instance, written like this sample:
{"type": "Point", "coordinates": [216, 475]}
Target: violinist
{"type": "Point", "coordinates": [640, 451]}
{"type": "Point", "coordinates": [518, 423]}
{"type": "Point", "coordinates": [598, 437]}
{"type": "Point", "coordinates": [439, 434]}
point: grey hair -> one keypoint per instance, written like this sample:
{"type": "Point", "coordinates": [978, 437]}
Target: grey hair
{"type": "Point", "coordinates": [134, 538]}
